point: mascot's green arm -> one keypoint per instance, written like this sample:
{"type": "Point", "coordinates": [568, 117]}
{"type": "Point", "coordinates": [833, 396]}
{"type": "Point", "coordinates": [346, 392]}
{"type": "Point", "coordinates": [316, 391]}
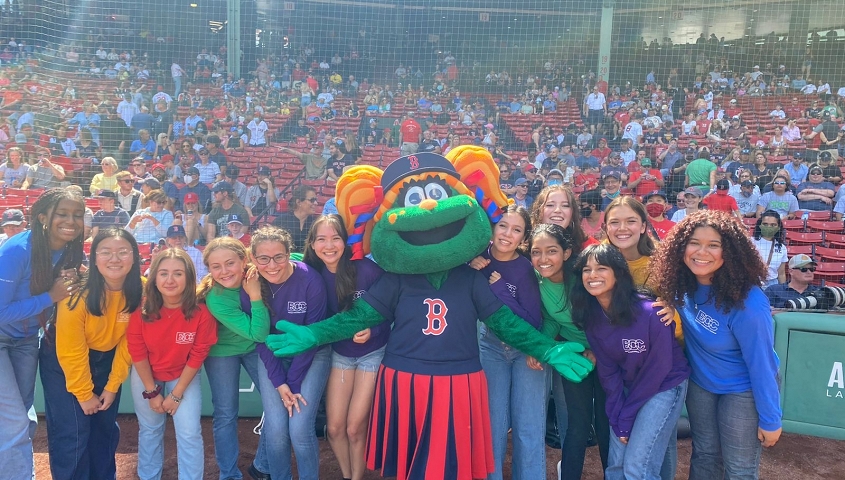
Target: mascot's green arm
{"type": "Point", "coordinates": [296, 339]}
{"type": "Point", "coordinates": [565, 357]}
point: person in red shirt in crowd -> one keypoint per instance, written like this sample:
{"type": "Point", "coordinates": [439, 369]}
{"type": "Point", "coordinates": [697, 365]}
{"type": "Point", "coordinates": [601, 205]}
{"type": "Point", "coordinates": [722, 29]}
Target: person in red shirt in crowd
{"type": "Point", "coordinates": [733, 110]}
{"type": "Point", "coordinates": [602, 151]}
{"type": "Point", "coordinates": [721, 200]}
{"type": "Point", "coordinates": [621, 119]}
{"type": "Point", "coordinates": [238, 230]}
{"type": "Point", "coordinates": [409, 136]}
{"type": "Point", "coordinates": [168, 339]}
{"type": "Point", "coordinates": [656, 205]}
{"type": "Point", "coordinates": [602, 85]}
{"type": "Point", "coordinates": [587, 178]}
{"type": "Point", "coordinates": [646, 179]}
{"type": "Point", "coordinates": [794, 110]}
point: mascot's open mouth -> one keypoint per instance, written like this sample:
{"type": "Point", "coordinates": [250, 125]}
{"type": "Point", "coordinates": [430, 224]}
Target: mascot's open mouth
{"type": "Point", "coordinates": [434, 235]}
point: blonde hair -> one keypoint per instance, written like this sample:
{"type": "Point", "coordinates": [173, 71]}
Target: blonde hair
{"type": "Point", "coordinates": [109, 161]}
{"type": "Point", "coordinates": [219, 243]}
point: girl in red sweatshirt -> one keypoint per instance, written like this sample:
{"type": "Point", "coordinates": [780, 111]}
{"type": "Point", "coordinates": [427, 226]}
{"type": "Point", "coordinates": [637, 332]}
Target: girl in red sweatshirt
{"type": "Point", "coordinates": [168, 340]}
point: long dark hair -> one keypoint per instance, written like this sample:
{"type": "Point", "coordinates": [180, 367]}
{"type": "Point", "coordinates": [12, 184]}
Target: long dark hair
{"type": "Point", "coordinates": [44, 273]}
{"type": "Point", "coordinates": [345, 276]}
{"type": "Point", "coordinates": [153, 301]}
{"type": "Point", "coordinates": [564, 240]}
{"type": "Point", "coordinates": [525, 215]}
{"type": "Point", "coordinates": [94, 285]}
{"type": "Point", "coordinates": [779, 240]}
{"type": "Point", "coordinates": [625, 300]}
{"type": "Point", "coordinates": [269, 233]}
{"type": "Point", "coordinates": [299, 195]}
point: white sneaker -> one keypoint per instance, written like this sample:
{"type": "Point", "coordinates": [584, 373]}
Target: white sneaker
{"type": "Point", "coordinates": [558, 470]}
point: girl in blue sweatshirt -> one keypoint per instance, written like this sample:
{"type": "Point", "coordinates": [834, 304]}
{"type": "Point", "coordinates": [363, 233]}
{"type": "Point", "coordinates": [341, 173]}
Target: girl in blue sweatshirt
{"type": "Point", "coordinates": [641, 367]}
{"type": "Point", "coordinates": [708, 268]}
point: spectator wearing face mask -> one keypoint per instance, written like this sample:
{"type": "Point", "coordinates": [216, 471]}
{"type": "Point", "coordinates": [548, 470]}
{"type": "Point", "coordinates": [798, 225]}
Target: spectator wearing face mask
{"type": "Point", "coordinates": [656, 205]}
{"type": "Point", "coordinates": [193, 185]}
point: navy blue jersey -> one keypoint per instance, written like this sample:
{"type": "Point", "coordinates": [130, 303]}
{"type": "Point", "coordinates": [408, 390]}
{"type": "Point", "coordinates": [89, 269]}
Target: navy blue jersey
{"type": "Point", "coordinates": [434, 331]}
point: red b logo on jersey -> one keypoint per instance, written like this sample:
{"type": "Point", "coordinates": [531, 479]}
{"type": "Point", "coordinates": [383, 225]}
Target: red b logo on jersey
{"type": "Point", "coordinates": [414, 161]}
{"type": "Point", "coordinates": [436, 316]}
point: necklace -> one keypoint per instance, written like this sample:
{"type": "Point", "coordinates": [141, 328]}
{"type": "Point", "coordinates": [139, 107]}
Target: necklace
{"type": "Point", "coordinates": [281, 285]}
{"type": "Point", "coordinates": [696, 305]}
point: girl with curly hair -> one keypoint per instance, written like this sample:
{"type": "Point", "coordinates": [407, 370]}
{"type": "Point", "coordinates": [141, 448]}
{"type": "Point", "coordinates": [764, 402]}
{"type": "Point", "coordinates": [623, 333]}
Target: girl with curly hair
{"type": "Point", "coordinates": [628, 339]}
{"type": "Point", "coordinates": [770, 239]}
{"type": "Point", "coordinates": [710, 271]}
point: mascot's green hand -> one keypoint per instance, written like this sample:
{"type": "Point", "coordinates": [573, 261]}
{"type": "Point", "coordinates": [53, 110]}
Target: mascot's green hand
{"type": "Point", "coordinates": [293, 340]}
{"type": "Point", "coordinates": [567, 359]}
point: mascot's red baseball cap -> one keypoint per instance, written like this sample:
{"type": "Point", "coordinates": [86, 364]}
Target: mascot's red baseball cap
{"type": "Point", "coordinates": [416, 164]}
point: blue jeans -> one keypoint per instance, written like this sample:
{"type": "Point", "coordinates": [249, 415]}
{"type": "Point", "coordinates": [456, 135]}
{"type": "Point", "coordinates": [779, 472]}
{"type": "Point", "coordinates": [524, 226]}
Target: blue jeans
{"type": "Point", "coordinates": [559, 397]}
{"type": "Point", "coordinates": [650, 438]}
{"type": "Point", "coordinates": [724, 435]}
{"type": "Point", "coordinates": [186, 421]}
{"type": "Point", "coordinates": [81, 446]}
{"type": "Point", "coordinates": [18, 363]}
{"type": "Point", "coordinates": [517, 396]}
{"type": "Point", "coordinates": [297, 432]}
{"type": "Point", "coordinates": [223, 375]}
{"type": "Point", "coordinates": [585, 403]}
{"type": "Point", "coordinates": [177, 82]}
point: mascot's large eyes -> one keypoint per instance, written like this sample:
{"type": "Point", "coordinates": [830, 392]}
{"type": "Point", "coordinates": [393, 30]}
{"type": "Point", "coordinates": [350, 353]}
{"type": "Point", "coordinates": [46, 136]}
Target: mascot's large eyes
{"type": "Point", "coordinates": [435, 191]}
{"type": "Point", "coordinates": [414, 196]}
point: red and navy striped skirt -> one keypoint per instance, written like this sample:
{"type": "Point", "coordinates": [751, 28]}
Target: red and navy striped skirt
{"type": "Point", "coordinates": [430, 427]}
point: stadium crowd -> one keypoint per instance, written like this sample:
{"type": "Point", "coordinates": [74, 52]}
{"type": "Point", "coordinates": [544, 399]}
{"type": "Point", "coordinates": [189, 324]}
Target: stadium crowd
{"type": "Point", "coordinates": [177, 261]}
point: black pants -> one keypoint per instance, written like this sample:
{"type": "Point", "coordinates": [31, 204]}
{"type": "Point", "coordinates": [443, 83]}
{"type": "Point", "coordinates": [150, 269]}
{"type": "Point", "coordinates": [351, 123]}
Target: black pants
{"type": "Point", "coordinates": [585, 408]}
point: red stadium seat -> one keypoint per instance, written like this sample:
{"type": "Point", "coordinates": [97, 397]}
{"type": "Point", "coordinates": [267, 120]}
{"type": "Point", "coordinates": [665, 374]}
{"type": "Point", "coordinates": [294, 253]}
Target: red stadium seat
{"type": "Point", "coordinates": [802, 238]}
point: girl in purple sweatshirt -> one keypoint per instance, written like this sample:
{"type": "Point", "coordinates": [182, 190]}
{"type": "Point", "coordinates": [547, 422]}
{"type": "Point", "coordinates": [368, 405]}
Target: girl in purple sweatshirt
{"type": "Point", "coordinates": [641, 367]}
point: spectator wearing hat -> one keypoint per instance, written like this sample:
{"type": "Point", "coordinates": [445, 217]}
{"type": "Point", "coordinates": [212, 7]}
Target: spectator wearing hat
{"type": "Point", "coordinates": [230, 174]}
{"type": "Point", "coordinates": [148, 225]}
{"type": "Point", "coordinates": [193, 185]}
{"type": "Point", "coordinates": [656, 206]}
{"type": "Point", "coordinates": [215, 154]}
{"type": "Point", "coordinates": [12, 222]}
{"type": "Point", "coordinates": [831, 172]}
{"type": "Point", "coordinates": [138, 168]}
{"type": "Point", "coordinates": [614, 166]}
{"type": "Point", "coordinates": [191, 216]}
{"type": "Point", "coordinates": [692, 201]}
{"type": "Point", "coordinates": [209, 172]}
{"type": "Point", "coordinates": [720, 200]}
{"type": "Point", "coordinates": [797, 169]}
{"type": "Point", "coordinates": [224, 207]}
{"type": "Point", "coordinates": [238, 230]}
{"type": "Point", "coordinates": [44, 174]}
{"type": "Point", "coordinates": [339, 159]}
{"type": "Point", "coordinates": [646, 179]}
{"type": "Point", "coordinates": [177, 238]}
{"type": "Point", "coordinates": [520, 195]}
{"type": "Point", "coordinates": [627, 153]}
{"type": "Point", "coordinates": [109, 214]}
{"type": "Point", "coordinates": [262, 197]}
{"type": "Point", "coordinates": [801, 272]}
{"type": "Point", "coordinates": [148, 185]}
{"type": "Point", "coordinates": [535, 180]}
{"type": "Point", "coordinates": [746, 195]}
{"type": "Point", "coordinates": [612, 189]}
{"type": "Point", "coordinates": [816, 194]}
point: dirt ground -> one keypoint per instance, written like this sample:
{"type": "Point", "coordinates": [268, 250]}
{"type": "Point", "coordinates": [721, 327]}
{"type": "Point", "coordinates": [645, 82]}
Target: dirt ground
{"type": "Point", "coordinates": [795, 457]}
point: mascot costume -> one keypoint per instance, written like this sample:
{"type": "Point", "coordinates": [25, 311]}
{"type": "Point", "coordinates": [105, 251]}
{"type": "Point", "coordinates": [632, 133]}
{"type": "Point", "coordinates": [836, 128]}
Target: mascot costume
{"type": "Point", "coordinates": [423, 219]}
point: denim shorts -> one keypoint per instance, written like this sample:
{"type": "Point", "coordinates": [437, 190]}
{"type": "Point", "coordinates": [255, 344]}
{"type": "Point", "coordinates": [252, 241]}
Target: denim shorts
{"type": "Point", "coordinates": [368, 363]}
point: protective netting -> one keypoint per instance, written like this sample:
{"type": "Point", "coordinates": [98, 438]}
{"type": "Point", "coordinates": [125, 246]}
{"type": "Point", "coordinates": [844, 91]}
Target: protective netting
{"type": "Point", "coordinates": [319, 71]}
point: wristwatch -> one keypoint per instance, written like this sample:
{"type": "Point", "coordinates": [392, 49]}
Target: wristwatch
{"type": "Point", "coordinates": [150, 394]}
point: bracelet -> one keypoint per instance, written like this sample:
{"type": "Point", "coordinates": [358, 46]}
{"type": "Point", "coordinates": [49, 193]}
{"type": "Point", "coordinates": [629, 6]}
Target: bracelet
{"type": "Point", "coordinates": [150, 394]}
{"type": "Point", "coordinates": [175, 398]}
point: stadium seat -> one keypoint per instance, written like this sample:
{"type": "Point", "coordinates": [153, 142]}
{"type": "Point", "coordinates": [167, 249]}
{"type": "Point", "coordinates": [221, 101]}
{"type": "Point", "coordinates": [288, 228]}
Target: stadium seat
{"type": "Point", "coordinates": [804, 238]}
{"type": "Point", "coordinates": [830, 253]}
{"type": "Point", "coordinates": [825, 226]}
{"type": "Point", "coordinates": [830, 271]}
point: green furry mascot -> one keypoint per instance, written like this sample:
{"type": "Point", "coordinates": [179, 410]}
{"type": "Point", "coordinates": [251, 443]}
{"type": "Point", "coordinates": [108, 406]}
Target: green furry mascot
{"type": "Point", "coordinates": [423, 219]}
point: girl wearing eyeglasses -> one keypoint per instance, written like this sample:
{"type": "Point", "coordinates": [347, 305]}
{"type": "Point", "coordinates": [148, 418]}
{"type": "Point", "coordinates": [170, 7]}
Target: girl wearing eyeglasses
{"type": "Point", "coordinates": [232, 293]}
{"type": "Point", "coordinates": [290, 388]}
{"type": "Point", "coordinates": [168, 339]}
{"type": "Point", "coordinates": [84, 360]}
{"type": "Point", "coordinates": [355, 361]}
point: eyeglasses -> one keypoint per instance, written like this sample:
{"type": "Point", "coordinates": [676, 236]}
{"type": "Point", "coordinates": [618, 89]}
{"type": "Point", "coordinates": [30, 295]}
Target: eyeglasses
{"type": "Point", "coordinates": [805, 269]}
{"type": "Point", "coordinates": [278, 259]}
{"type": "Point", "coordinates": [779, 183]}
{"type": "Point", "coordinates": [160, 202]}
{"type": "Point", "coordinates": [127, 181]}
{"type": "Point", "coordinates": [136, 164]}
{"type": "Point", "coordinates": [312, 200]}
{"type": "Point", "coordinates": [203, 153]}
{"type": "Point", "coordinates": [816, 173]}
{"type": "Point", "coordinates": [109, 254]}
